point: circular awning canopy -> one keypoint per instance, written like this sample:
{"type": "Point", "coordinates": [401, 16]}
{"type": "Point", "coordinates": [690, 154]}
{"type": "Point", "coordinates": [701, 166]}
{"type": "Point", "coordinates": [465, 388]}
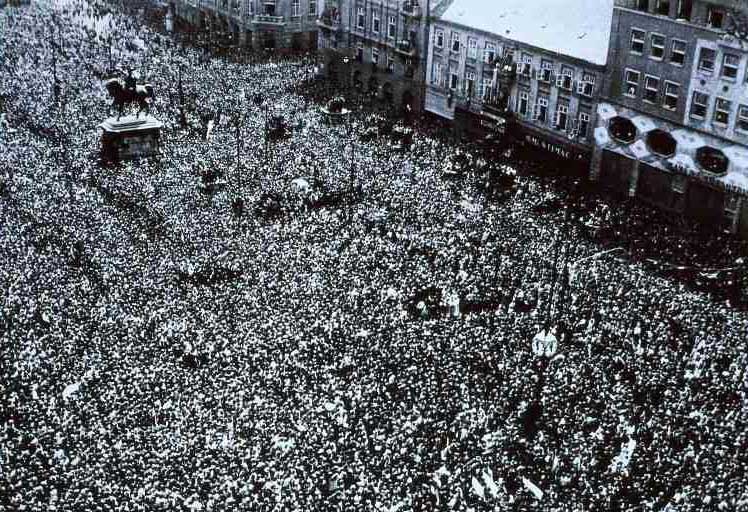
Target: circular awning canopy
{"type": "Point", "coordinates": [662, 143]}
{"type": "Point", "coordinates": [712, 160]}
{"type": "Point", "coordinates": [622, 129]}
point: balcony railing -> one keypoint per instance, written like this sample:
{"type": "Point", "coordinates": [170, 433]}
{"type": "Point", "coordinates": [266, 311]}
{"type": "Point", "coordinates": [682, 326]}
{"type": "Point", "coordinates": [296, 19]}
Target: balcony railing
{"type": "Point", "coordinates": [406, 47]}
{"type": "Point", "coordinates": [410, 8]}
{"type": "Point", "coordinates": [264, 19]}
{"type": "Point", "coordinates": [329, 22]}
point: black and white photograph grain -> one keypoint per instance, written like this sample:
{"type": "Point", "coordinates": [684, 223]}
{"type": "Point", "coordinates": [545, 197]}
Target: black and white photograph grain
{"type": "Point", "coordinates": [373, 255]}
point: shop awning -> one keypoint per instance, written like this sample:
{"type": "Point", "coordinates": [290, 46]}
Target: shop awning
{"type": "Point", "coordinates": [712, 160]}
{"type": "Point", "coordinates": [661, 143]}
{"type": "Point", "coordinates": [622, 129]}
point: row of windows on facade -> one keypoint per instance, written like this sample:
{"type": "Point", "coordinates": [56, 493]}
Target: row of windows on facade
{"type": "Point", "coordinates": [565, 79]}
{"type": "Point", "coordinates": [548, 72]}
{"type": "Point", "coordinates": [562, 120]}
{"type": "Point", "coordinates": [376, 23]}
{"type": "Point", "coordinates": [716, 15]}
{"type": "Point", "coordinates": [724, 114]}
{"type": "Point", "coordinates": [577, 128]}
{"type": "Point", "coordinates": [653, 92]}
{"type": "Point", "coordinates": [658, 46]}
{"type": "Point", "coordinates": [269, 7]}
{"type": "Point", "coordinates": [731, 64]}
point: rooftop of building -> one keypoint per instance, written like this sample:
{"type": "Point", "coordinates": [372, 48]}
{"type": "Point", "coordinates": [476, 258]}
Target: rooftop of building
{"type": "Point", "coordinates": [575, 28]}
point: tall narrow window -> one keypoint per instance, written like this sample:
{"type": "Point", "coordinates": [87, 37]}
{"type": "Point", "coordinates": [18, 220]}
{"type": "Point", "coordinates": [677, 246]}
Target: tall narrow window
{"type": "Point", "coordinates": [722, 111]}
{"type": "Point", "coordinates": [715, 17]}
{"type": "Point", "coordinates": [541, 110]}
{"type": "Point", "coordinates": [469, 84]}
{"type": "Point", "coordinates": [631, 78]}
{"type": "Point", "coordinates": [472, 48]}
{"type": "Point", "coordinates": [670, 100]}
{"type": "Point", "coordinates": [637, 41]}
{"type": "Point", "coordinates": [678, 52]}
{"type": "Point", "coordinates": [663, 7]}
{"type": "Point", "coordinates": [651, 89]}
{"type": "Point", "coordinates": [699, 104]}
{"type": "Point", "coordinates": [454, 81]}
{"type": "Point", "coordinates": [455, 42]}
{"type": "Point", "coordinates": [707, 58]}
{"type": "Point", "coordinates": [295, 8]}
{"type": "Point", "coordinates": [584, 125]}
{"type": "Point", "coordinates": [489, 54]}
{"type": "Point", "coordinates": [439, 39]}
{"type": "Point", "coordinates": [730, 64]}
{"type": "Point", "coordinates": [562, 116]}
{"type": "Point", "coordinates": [523, 102]}
{"type": "Point", "coordinates": [742, 123]}
{"type": "Point", "coordinates": [391, 27]}
{"type": "Point", "coordinates": [685, 7]}
{"type": "Point", "coordinates": [546, 71]}
{"type": "Point", "coordinates": [376, 24]}
{"type": "Point", "coordinates": [587, 86]}
{"type": "Point", "coordinates": [657, 46]}
{"type": "Point", "coordinates": [361, 18]}
{"type": "Point", "coordinates": [312, 8]}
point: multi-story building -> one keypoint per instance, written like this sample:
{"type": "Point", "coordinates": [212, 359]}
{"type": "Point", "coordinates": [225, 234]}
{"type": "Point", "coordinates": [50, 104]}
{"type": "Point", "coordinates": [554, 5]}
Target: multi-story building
{"type": "Point", "coordinates": [673, 126]}
{"type": "Point", "coordinates": [533, 67]}
{"type": "Point", "coordinates": [261, 24]}
{"type": "Point", "coordinates": [378, 46]}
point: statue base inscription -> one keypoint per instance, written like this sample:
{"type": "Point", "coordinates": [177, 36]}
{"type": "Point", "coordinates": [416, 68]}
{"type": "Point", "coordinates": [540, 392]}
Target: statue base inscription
{"type": "Point", "coordinates": [129, 137]}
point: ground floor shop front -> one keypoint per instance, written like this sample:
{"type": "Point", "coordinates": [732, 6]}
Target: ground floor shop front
{"type": "Point", "coordinates": [675, 169]}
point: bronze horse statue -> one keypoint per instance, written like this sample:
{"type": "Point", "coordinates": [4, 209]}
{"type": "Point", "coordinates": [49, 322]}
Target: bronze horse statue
{"type": "Point", "coordinates": [124, 96]}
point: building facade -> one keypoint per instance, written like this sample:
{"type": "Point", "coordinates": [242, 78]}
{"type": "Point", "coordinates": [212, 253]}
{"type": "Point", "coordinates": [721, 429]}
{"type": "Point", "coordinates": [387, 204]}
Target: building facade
{"type": "Point", "coordinates": [259, 24]}
{"type": "Point", "coordinates": [377, 47]}
{"type": "Point", "coordinates": [673, 125]}
{"type": "Point", "coordinates": [490, 74]}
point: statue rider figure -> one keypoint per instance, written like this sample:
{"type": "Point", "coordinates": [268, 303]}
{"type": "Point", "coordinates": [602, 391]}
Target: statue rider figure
{"type": "Point", "coordinates": [130, 83]}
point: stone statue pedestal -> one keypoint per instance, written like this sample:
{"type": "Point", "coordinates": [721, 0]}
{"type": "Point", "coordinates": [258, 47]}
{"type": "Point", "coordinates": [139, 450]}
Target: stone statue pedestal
{"type": "Point", "coordinates": [129, 137]}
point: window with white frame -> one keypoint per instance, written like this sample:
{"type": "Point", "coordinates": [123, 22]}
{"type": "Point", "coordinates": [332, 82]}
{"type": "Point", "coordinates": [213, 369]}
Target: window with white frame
{"type": "Point", "coordinates": [361, 18]}
{"type": "Point", "coordinates": [730, 65]}
{"type": "Point", "coordinates": [699, 105]}
{"type": "Point", "coordinates": [586, 87]}
{"type": "Point", "coordinates": [670, 98]}
{"type": "Point", "coordinates": [523, 103]}
{"type": "Point", "coordinates": [631, 81]}
{"type": "Point", "coordinates": [656, 46]}
{"type": "Point", "coordinates": [541, 110]}
{"type": "Point", "coordinates": [375, 56]}
{"type": "Point", "coordinates": [707, 58]}
{"type": "Point", "coordinates": [295, 8]}
{"type": "Point", "coordinates": [485, 92]}
{"type": "Point", "coordinates": [312, 8]}
{"type": "Point", "coordinates": [376, 23]}
{"type": "Point", "coordinates": [439, 39]}
{"type": "Point", "coordinates": [525, 69]}
{"type": "Point", "coordinates": [637, 41]}
{"type": "Point", "coordinates": [436, 73]}
{"type": "Point", "coordinates": [391, 27]}
{"type": "Point", "coordinates": [454, 81]}
{"type": "Point", "coordinates": [546, 70]}
{"type": "Point", "coordinates": [566, 79]}
{"type": "Point", "coordinates": [678, 52]}
{"type": "Point", "coordinates": [469, 84]}
{"type": "Point", "coordinates": [455, 46]}
{"type": "Point", "coordinates": [390, 64]}
{"type": "Point", "coordinates": [651, 89]}
{"type": "Point", "coordinates": [562, 116]}
{"type": "Point", "coordinates": [489, 54]}
{"type": "Point", "coordinates": [472, 51]}
{"type": "Point", "coordinates": [722, 111]}
{"type": "Point", "coordinates": [715, 17]}
{"type": "Point", "coordinates": [742, 122]}
{"type": "Point", "coordinates": [583, 127]}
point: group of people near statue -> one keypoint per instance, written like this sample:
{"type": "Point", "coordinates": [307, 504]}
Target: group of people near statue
{"type": "Point", "coordinates": [161, 351]}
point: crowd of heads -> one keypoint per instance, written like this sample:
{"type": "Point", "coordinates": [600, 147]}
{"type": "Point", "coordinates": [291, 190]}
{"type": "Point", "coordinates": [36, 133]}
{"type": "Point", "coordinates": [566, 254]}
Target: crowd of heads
{"type": "Point", "coordinates": [164, 350]}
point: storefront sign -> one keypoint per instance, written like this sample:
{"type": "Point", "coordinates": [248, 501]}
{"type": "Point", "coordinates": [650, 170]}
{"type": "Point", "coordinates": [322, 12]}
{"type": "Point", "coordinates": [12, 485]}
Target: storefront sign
{"type": "Point", "coordinates": [553, 148]}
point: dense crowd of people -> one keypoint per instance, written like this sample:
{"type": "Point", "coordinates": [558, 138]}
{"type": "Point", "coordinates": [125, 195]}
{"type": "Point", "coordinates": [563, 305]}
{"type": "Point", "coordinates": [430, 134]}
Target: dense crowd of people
{"type": "Point", "coordinates": [164, 351]}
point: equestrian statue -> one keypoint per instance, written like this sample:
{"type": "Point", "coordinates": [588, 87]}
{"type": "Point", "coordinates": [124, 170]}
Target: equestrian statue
{"type": "Point", "coordinates": [128, 91]}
